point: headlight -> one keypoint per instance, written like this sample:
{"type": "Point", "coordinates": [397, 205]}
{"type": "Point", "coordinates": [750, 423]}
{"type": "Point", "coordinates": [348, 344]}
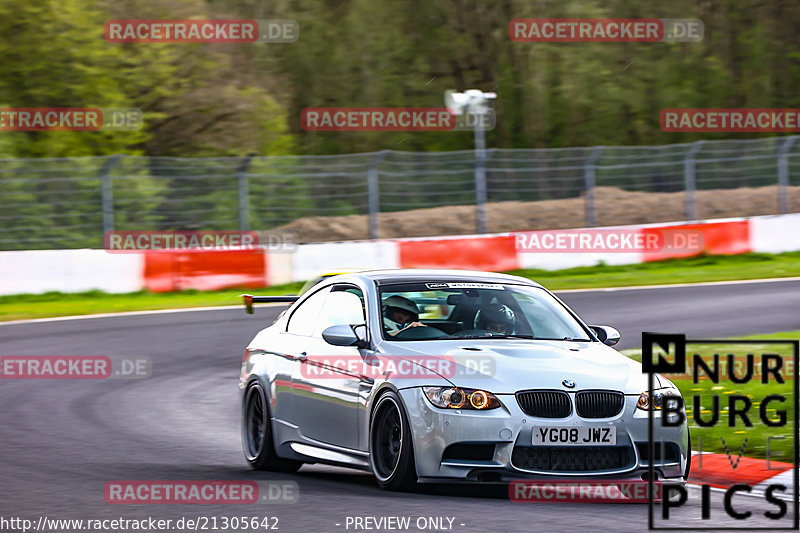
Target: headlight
{"type": "Point", "coordinates": [659, 397]}
{"type": "Point", "coordinates": [457, 398]}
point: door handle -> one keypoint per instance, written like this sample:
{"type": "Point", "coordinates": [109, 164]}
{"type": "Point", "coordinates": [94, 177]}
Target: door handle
{"type": "Point", "coordinates": [302, 357]}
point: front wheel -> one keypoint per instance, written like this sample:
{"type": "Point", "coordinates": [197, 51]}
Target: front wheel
{"type": "Point", "coordinates": [688, 458]}
{"type": "Point", "coordinates": [259, 449]}
{"type": "Point", "coordinates": [391, 452]}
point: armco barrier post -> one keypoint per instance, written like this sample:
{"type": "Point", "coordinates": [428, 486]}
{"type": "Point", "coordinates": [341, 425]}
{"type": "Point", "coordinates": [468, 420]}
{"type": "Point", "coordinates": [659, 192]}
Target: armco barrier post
{"type": "Point", "coordinates": [373, 194]}
{"type": "Point", "coordinates": [689, 180]}
{"type": "Point", "coordinates": [588, 179]}
{"type": "Point", "coordinates": [243, 188]}
{"type": "Point", "coordinates": [107, 194]}
{"type": "Point", "coordinates": [783, 174]}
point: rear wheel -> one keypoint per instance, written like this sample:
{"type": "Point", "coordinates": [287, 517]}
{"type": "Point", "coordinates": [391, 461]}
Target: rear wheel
{"type": "Point", "coordinates": [391, 452]}
{"type": "Point", "coordinates": [259, 448]}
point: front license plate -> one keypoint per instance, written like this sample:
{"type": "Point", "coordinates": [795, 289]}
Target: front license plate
{"type": "Point", "coordinates": [575, 436]}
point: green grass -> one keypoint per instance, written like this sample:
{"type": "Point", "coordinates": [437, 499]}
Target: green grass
{"type": "Point", "coordinates": [85, 303]}
{"type": "Point", "coordinates": [691, 270]}
{"type": "Point", "coordinates": [698, 269]}
{"type": "Point", "coordinates": [734, 437]}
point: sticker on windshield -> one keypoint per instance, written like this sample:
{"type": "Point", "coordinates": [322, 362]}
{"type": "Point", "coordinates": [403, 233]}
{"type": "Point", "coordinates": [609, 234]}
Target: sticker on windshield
{"type": "Point", "coordinates": [494, 286]}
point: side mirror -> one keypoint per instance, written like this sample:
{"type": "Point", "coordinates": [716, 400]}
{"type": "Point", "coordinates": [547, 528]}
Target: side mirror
{"type": "Point", "coordinates": [607, 335]}
{"type": "Point", "coordinates": [341, 335]}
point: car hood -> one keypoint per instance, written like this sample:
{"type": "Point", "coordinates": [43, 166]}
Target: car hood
{"type": "Point", "coordinates": [510, 365]}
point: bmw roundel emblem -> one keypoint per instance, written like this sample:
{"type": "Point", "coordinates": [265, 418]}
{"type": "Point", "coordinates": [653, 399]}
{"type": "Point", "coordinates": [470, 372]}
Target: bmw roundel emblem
{"type": "Point", "coordinates": [568, 383]}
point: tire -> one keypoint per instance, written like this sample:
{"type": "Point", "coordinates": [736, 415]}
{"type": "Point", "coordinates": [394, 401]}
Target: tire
{"type": "Point", "coordinates": [259, 447]}
{"type": "Point", "coordinates": [391, 450]}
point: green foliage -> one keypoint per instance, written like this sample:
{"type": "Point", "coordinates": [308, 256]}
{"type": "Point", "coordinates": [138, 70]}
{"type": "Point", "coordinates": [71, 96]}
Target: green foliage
{"type": "Point", "coordinates": [220, 100]}
{"type": "Point", "coordinates": [227, 101]}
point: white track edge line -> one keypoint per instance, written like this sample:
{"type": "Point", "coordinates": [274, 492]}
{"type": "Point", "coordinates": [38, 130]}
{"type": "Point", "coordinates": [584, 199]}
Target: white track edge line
{"type": "Point", "coordinates": [135, 313]}
{"type": "Point", "coordinates": [677, 285]}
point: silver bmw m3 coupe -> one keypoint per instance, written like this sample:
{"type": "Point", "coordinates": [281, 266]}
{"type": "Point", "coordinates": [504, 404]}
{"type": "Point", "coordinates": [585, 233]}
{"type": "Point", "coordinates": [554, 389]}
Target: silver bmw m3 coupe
{"type": "Point", "coordinates": [445, 375]}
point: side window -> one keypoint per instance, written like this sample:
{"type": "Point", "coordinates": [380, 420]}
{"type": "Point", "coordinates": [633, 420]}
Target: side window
{"type": "Point", "coordinates": [345, 305]}
{"type": "Point", "coordinates": [304, 317]}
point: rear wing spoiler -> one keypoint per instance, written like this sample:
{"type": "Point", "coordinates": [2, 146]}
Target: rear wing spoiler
{"type": "Point", "coordinates": [249, 300]}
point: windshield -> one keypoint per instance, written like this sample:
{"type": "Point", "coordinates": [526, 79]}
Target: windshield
{"type": "Point", "coordinates": [459, 310]}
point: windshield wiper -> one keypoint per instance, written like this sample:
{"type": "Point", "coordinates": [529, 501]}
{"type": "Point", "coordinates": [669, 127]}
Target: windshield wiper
{"type": "Point", "coordinates": [513, 336]}
{"type": "Point", "coordinates": [487, 335]}
{"type": "Point", "coordinates": [568, 339]}
{"type": "Point", "coordinates": [532, 338]}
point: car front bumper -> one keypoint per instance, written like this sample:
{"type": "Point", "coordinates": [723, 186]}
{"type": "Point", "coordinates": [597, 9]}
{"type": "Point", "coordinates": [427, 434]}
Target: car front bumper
{"type": "Point", "coordinates": [496, 445]}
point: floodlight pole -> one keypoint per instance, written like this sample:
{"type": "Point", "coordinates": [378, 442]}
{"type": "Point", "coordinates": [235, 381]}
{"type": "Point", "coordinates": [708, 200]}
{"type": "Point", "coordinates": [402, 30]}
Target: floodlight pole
{"type": "Point", "coordinates": [480, 174]}
{"type": "Point", "coordinates": [474, 102]}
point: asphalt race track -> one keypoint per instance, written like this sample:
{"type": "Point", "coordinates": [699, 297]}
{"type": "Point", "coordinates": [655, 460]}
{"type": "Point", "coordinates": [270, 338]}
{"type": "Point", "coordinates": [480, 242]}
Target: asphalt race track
{"type": "Point", "coordinates": [711, 310]}
{"type": "Point", "coordinates": [62, 440]}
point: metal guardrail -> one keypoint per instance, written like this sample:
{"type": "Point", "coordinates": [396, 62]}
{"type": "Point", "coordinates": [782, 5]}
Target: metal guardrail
{"type": "Point", "coordinates": [72, 202]}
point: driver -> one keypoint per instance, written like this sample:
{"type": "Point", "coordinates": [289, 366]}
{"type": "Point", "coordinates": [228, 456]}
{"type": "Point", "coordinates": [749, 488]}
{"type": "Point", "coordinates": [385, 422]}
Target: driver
{"type": "Point", "coordinates": [497, 318]}
{"type": "Point", "coordinates": [399, 313]}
